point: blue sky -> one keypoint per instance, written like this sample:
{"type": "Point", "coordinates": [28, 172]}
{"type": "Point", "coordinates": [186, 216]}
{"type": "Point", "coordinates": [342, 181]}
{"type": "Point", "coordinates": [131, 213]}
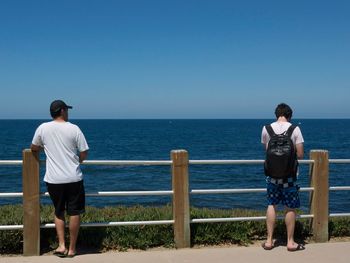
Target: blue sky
{"type": "Point", "coordinates": [175, 59]}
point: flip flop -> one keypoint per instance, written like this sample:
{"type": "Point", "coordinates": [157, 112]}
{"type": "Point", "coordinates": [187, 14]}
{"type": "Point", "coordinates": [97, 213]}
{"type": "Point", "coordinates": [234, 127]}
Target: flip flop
{"type": "Point", "coordinates": [267, 247]}
{"type": "Point", "coordinates": [71, 255]}
{"type": "Point", "coordinates": [61, 254]}
{"type": "Point", "coordinates": [297, 248]}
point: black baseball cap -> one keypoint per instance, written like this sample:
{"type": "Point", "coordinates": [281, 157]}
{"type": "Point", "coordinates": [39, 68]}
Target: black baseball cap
{"type": "Point", "coordinates": [58, 105]}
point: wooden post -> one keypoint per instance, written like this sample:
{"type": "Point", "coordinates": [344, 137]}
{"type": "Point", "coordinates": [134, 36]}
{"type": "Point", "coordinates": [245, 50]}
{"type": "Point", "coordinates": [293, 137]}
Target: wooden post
{"type": "Point", "coordinates": [181, 206]}
{"type": "Point", "coordinates": [319, 198]}
{"type": "Point", "coordinates": [31, 203]}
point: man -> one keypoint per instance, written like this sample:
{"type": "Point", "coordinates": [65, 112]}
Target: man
{"type": "Point", "coordinates": [283, 190]}
{"type": "Point", "coordinates": [65, 148]}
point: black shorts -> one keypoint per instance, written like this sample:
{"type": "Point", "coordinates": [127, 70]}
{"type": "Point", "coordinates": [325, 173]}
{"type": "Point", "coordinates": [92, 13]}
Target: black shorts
{"type": "Point", "coordinates": [68, 197]}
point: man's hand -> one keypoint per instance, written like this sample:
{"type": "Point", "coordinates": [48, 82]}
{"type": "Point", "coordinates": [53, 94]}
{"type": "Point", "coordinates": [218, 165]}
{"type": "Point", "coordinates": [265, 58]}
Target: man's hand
{"type": "Point", "coordinates": [83, 156]}
{"type": "Point", "coordinates": [35, 148]}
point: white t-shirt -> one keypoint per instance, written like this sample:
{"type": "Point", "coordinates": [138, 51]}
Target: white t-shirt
{"type": "Point", "coordinates": [280, 127]}
{"type": "Point", "coordinates": [61, 141]}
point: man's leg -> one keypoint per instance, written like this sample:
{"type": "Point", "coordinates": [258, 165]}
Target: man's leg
{"type": "Point", "coordinates": [57, 196]}
{"type": "Point", "coordinates": [74, 224]}
{"type": "Point", "coordinates": [270, 224]}
{"type": "Point", "coordinates": [60, 225]}
{"type": "Point", "coordinates": [290, 224]}
{"type": "Point", "coordinates": [291, 201]}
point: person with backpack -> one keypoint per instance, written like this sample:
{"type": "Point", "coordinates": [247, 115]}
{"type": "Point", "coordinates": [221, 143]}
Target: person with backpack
{"type": "Point", "coordinates": [284, 145]}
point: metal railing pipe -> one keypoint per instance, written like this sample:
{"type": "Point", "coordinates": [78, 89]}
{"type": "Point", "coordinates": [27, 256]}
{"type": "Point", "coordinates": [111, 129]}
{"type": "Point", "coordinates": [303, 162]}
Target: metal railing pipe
{"type": "Point", "coordinates": [123, 193]}
{"type": "Point", "coordinates": [11, 194]}
{"type": "Point", "coordinates": [126, 163]}
{"type": "Point", "coordinates": [236, 162]}
{"type": "Point", "coordinates": [339, 188]}
{"type": "Point", "coordinates": [339, 215]}
{"type": "Point", "coordinates": [11, 162]}
{"type": "Point", "coordinates": [239, 219]}
{"type": "Point", "coordinates": [339, 161]}
{"type": "Point", "coordinates": [239, 191]}
{"type": "Point", "coordinates": [11, 227]}
{"type": "Point", "coordinates": [121, 223]}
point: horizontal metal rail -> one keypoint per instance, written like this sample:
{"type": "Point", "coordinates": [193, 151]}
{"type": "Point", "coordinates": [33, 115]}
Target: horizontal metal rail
{"type": "Point", "coordinates": [156, 222]}
{"type": "Point", "coordinates": [239, 219]}
{"type": "Point", "coordinates": [118, 162]}
{"type": "Point", "coordinates": [122, 162]}
{"type": "Point", "coordinates": [194, 191]}
{"type": "Point", "coordinates": [339, 188]}
{"type": "Point", "coordinates": [170, 192]}
{"type": "Point", "coordinates": [225, 161]}
{"type": "Point", "coordinates": [239, 191]}
{"type": "Point", "coordinates": [122, 223]}
{"type": "Point", "coordinates": [11, 162]}
{"type": "Point", "coordinates": [339, 215]}
{"type": "Point", "coordinates": [98, 224]}
{"type": "Point", "coordinates": [11, 227]}
{"type": "Point", "coordinates": [169, 162]}
{"type": "Point", "coordinates": [239, 161]}
{"type": "Point", "coordinates": [124, 193]}
{"type": "Point", "coordinates": [169, 222]}
{"type": "Point", "coordinates": [128, 193]}
{"type": "Point", "coordinates": [11, 194]}
{"type": "Point", "coordinates": [345, 161]}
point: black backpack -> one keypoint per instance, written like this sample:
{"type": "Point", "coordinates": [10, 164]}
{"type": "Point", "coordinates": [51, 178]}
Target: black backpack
{"type": "Point", "coordinates": [281, 159]}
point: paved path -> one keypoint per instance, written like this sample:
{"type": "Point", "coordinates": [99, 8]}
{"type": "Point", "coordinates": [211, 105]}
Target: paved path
{"type": "Point", "coordinates": [332, 252]}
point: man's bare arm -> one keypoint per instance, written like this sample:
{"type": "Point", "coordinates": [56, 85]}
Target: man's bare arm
{"type": "Point", "coordinates": [83, 156]}
{"type": "Point", "coordinates": [300, 150]}
{"type": "Point", "coordinates": [35, 148]}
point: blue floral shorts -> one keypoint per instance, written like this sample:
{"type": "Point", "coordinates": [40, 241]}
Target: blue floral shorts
{"type": "Point", "coordinates": [288, 194]}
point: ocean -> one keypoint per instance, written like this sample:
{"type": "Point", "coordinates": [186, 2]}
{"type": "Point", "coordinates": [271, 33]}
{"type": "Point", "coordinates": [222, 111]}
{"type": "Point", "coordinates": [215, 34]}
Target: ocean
{"type": "Point", "coordinates": [203, 139]}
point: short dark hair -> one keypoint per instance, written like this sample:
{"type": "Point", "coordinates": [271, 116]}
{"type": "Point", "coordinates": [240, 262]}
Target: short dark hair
{"type": "Point", "coordinates": [283, 110]}
{"type": "Point", "coordinates": [56, 114]}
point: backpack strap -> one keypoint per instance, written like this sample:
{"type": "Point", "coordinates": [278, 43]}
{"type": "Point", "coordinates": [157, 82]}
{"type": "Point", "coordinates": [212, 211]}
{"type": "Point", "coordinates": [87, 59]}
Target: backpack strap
{"type": "Point", "coordinates": [270, 131]}
{"type": "Point", "coordinates": [290, 130]}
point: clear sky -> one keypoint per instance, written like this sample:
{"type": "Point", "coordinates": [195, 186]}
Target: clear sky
{"type": "Point", "coordinates": [175, 59]}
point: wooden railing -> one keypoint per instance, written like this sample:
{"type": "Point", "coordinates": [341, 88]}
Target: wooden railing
{"type": "Point", "coordinates": [319, 198]}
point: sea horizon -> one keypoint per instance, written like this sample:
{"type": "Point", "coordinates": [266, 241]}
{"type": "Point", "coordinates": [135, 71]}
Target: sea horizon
{"type": "Point", "coordinates": [305, 118]}
{"type": "Point", "coordinates": [204, 139]}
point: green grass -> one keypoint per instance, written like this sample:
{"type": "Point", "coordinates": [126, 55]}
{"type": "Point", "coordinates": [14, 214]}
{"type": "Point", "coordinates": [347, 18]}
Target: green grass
{"type": "Point", "coordinates": [148, 236]}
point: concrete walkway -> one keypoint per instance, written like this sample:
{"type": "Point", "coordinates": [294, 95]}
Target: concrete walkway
{"type": "Point", "coordinates": [333, 252]}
